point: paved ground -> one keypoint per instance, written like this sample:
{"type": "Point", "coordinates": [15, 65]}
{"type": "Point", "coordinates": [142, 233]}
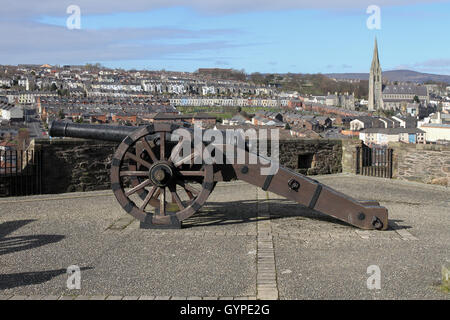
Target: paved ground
{"type": "Point", "coordinates": [244, 244]}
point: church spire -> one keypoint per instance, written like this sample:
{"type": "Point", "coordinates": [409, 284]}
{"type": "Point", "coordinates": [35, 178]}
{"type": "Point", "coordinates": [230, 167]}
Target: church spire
{"type": "Point", "coordinates": [375, 82]}
{"type": "Point", "coordinates": [375, 60]}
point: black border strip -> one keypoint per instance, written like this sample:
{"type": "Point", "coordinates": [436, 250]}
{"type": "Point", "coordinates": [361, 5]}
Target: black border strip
{"type": "Point", "coordinates": [267, 182]}
{"type": "Point", "coordinates": [315, 197]}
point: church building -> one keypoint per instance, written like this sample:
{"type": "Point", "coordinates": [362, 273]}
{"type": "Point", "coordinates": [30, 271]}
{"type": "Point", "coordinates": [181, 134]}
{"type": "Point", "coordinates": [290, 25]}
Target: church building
{"type": "Point", "coordinates": [392, 97]}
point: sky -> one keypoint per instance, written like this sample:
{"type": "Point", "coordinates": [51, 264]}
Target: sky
{"type": "Point", "coordinates": [297, 36]}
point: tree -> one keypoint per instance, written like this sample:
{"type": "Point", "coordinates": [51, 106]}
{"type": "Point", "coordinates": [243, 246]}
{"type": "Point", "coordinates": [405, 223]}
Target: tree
{"type": "Point", "coordinates": [61, 114]}
{"type": "Point", "coordinates": [416, 99]}
{"type": "Point", "coordinates": [388, 113]}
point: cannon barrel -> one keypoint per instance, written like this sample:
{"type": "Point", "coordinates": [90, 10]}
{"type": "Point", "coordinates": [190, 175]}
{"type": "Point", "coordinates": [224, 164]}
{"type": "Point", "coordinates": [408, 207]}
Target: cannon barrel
{"type": "Point", "coordinates": [90, 131]}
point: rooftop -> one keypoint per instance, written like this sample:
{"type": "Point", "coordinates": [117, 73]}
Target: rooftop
{"type": "Point", "coordinates": [392, 130]}
{"type": "Point", "coordinates": [215, 254]}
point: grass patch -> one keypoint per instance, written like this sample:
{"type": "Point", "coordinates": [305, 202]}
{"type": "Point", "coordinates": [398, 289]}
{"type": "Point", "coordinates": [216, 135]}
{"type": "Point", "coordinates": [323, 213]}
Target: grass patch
{"type": "Point", "coordinates": [444, 289]}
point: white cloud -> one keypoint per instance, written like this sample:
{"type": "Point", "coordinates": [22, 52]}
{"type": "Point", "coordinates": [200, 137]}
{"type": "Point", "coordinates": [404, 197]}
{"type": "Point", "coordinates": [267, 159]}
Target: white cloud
{"type": "Point", "coordinates": [32, 42]}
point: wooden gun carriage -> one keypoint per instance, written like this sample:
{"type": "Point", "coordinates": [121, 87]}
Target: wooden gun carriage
{"type": "Point", "coordinates": [160, 190]}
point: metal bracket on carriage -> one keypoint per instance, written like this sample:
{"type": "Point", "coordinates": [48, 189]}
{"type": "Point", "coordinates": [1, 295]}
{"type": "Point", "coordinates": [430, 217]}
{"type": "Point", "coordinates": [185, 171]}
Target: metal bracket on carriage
{"type": "Point", "coordinates": [367, 215]}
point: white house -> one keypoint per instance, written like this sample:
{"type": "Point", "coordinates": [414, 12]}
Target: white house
{"type": "Point", "coordinates": [436, 131]}
{"type": "Point", "coordinates": [382, 136]}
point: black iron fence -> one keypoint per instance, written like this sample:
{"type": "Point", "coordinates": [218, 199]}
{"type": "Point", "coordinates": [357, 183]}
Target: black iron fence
{"type": "Point", "coordinates": [374, 162]}
{"type": "Point", "coordinates": [20, 173]}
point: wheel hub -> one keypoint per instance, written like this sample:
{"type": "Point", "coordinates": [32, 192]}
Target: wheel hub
{"type": "Point", "coordinates": [161, 174]}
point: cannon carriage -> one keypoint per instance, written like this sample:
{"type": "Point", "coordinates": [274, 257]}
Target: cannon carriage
{"type": "Point", "coordinates": [161, 181]}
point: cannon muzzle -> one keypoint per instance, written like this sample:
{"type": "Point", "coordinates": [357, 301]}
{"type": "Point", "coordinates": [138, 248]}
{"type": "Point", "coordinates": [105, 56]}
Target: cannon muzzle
{"type": "Point", "coordinates": [90, 131]}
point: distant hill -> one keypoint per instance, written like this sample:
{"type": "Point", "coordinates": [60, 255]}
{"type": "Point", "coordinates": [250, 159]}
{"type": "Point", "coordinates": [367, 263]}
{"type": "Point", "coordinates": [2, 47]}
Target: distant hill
{"type": "Point", "coordinates": [395, 75]}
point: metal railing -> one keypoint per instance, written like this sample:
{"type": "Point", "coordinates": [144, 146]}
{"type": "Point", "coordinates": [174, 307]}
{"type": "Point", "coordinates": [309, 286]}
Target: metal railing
{"type": "Point", "coordinates": [374, 162]}
{"type": "Point", "coordinates": [20, 173]}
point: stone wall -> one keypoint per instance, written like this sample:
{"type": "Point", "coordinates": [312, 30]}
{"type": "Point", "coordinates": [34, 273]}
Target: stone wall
{"type": "Point", "coordinates": [71, 165]}
{"type": "Point", "coordinates": [421, 163]}
{"type": "Point", "coordinates": [311, 157]}
{"type": "Point", "coordinates": [349, 155]}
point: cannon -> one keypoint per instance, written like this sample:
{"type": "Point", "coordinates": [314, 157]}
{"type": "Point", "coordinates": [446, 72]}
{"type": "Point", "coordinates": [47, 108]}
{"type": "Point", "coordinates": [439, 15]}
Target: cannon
{"type": "Point", "coordinates": [161, 189]}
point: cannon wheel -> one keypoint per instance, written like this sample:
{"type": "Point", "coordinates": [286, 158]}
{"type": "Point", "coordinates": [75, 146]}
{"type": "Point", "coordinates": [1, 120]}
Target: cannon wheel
{"type": "Point", "coordinates": [145, 160]}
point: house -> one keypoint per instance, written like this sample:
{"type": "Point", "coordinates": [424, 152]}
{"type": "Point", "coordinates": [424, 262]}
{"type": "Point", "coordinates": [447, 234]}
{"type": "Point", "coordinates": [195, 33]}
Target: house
{"type": "Point", "coordinates": [389, 123]}
{"type": "Point", "coordinates": [324, 121]}
{"type": "Point", "coordinates": [304, 133]}
{"type": "Point", "coordinates": [97, 118]}
{"type": "Point", "coordinates": [343, 121]}
{"type": "Point", "coordinates": [382, 136]}
{"type": "Point", "coordinates": [364, 122]}
{"type": "Point", "coordinates": [125, 117]}
{"type": "Point", "coordinates": [332, 99]}
{"type": "Point", "coordinates": [405, 121]}
{"type": "Point", "coordinates": [347, 101]}
{"type": "Point", "coordinates": [236, 120]}
{"type": "Point", "coordinates": [436, 132]}
{"type": "Point", "coordinates": [440, 118]}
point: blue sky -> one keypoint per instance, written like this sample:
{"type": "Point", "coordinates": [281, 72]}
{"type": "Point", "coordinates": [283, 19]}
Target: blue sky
{"type": "Point", "coordinates": [263, 36]}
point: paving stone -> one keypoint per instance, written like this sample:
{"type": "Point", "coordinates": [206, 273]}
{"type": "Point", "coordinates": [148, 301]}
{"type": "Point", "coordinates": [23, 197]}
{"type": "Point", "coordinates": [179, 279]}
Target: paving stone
{"type": "Point", "coordinates": [130, 298]}
{"type": "Point", "coordinates": [16, 297]}
{"type": "Point", "coordinates": [147, 298]}
{"type": "Point", "coordinates": [35, 297]}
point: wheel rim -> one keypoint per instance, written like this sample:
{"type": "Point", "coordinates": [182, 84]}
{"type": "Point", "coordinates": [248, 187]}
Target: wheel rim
{"type": "Point", "coordinates": [144, 160]}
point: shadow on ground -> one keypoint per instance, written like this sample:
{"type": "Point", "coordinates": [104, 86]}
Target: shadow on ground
{"type": "Point", "coordinates": [237, 212]}
{"type": "Point", "coordinates": [19, 243]}
{"type": "Point", "coordinates": [14, 280]}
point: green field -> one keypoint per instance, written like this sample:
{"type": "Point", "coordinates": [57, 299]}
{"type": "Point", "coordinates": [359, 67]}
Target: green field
{"type": "Point", "coordinates": [223, 112]}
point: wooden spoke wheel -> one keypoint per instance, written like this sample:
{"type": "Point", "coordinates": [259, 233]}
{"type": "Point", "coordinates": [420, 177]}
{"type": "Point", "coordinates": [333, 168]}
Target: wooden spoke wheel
{"type": "Point", "coordinates": [152, 184]}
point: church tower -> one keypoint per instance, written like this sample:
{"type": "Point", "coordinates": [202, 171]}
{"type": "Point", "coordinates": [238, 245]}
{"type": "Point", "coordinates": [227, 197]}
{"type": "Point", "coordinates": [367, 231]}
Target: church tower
{"type": "Point", "coordinates": [375, 82]}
